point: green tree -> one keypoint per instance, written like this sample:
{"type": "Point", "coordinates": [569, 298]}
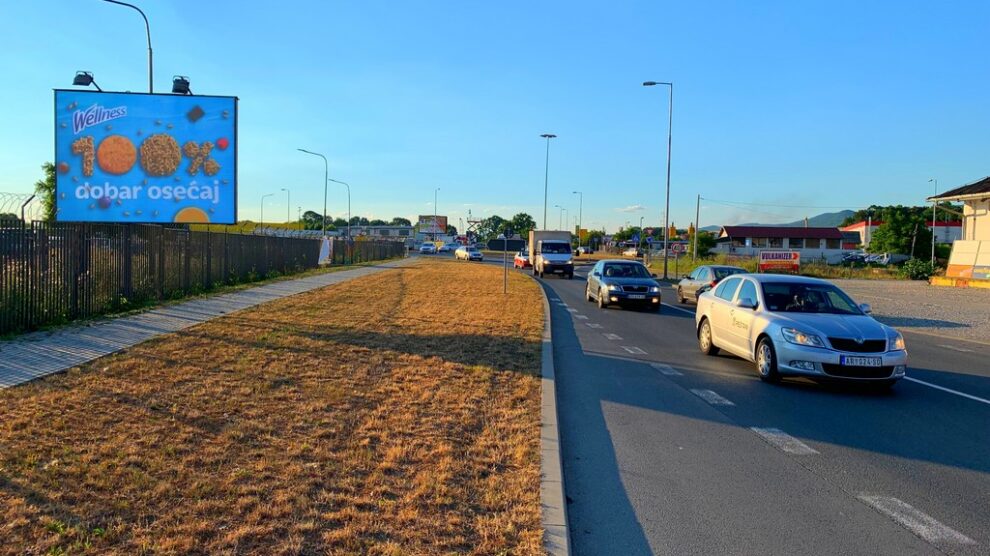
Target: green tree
{"type": "Point", "coordinates": [521, 224]}
{"type": "Point", "coordinates": [358, 221]}
{"type": "Point", "coordinates": [312, 220]}
{"type": "Point", "coordinates": [626, 234]}
{"type": "Point", "coordinates": [492, 226]}
{"type": "Point", "coordinates": [706, 242]}
{"type": "Point", "coordinates": [45, 189]}
{"type": "Point", "coordinates": [902, 232]}
{"type": "Point", "coordinates": [451, 230]}
{"type": "Point", "coordinates": [399, 221]}
{"type": "Point", "coordinates": [377, 222]}
{"type": "Point", "coordinates": [595, 238]}
{"type": "Point", "coordinates": [339, 222]}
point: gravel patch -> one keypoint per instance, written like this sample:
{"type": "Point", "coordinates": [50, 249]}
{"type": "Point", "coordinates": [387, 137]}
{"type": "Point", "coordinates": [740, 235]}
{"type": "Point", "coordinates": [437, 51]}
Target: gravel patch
{"type": "Point", "coordinates": [917, 306]}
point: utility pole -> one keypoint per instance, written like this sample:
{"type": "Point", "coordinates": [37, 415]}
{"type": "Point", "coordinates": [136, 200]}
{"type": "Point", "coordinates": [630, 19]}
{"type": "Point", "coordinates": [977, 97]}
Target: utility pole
{"type": "Point", "coordinates": [934, 220]}
{"type": "Point", "coordinates": [546, 177]}
{"type": "Point", "coordinates": [670, 131]}
{"type": "Point", "coordinates": [697, 228]}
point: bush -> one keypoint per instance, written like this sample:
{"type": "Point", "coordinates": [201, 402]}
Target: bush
{"type": "Point", "coordinates": [918, 269]}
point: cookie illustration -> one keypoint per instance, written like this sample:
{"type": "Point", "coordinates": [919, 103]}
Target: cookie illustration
{"type": "Point", "coordinates": [116, 155]}
{"type": "Point", "coordinates": [160, 155]}
{"type": "Point", "coordinates": [192, 215]}
{"type": "Point", "coordinates": [84, 147]}
{"type": "Point", "coordinates": [199, 156]}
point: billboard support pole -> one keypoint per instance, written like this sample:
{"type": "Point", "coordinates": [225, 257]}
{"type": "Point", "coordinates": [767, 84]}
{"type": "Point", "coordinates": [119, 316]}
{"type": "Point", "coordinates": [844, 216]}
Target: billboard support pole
{"type": "Point", "coordinates": [147, 29]}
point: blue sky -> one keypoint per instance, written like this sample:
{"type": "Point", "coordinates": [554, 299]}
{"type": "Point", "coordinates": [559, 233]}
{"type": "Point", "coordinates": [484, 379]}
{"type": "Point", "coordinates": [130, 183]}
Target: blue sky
{"type": "Point", "coordinates": [816, 104]}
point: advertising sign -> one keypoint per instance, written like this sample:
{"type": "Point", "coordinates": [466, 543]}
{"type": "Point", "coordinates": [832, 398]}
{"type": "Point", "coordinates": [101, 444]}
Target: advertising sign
{"type": "Point", "coordinates": [780, 261]}
{"type": "Point", "coordinates": [428, 226]}
{"type": "Point", "coordinates": [130, 157]}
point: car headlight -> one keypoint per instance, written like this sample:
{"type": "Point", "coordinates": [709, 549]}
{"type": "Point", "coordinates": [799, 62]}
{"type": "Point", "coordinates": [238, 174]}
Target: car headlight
{"type": "Point", "coordinates": [654, 289]}
{"type": "Point", "coordinates": [801, 338]}
{"type": "Point", "coordinates": [613, 288]}
{"type": "Point", "coordinates": [896, 342]}
{"type": "Point", "coordinates": [569, 261]}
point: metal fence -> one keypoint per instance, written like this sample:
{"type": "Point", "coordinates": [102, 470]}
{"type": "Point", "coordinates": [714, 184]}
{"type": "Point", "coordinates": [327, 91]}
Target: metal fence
{"type": "Point", "coordinates": [52, 273]}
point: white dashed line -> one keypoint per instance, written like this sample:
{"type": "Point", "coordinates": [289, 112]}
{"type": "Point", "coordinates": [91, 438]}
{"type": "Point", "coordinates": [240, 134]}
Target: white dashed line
{"type": "Point", "coordinates": [634, 350]}
{"type": "Point", "coordinates": [582, 317]}
{"type": "Point", "coordinates": [949, 390]}
{"type": "Point", "coordinates": [666, 369]}
{"type": "Point", "coordinates": [954, 348]}
{"type": "Point", "coordinates": [784, 442]}
{"type": "Point", "coordinates": [710, 396]}
{"type": "Point", "coordinates": [610, 336]}
{"type": "Point", "coordinates": [593, 325]}
{"type": "Point", "coordinates": [920, 523]}
{"type": "Point", "coordinates": [569, 310]}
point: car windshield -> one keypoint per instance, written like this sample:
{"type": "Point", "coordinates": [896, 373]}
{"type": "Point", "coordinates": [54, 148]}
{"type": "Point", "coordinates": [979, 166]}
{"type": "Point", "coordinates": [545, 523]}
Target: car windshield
{"type": "Point", "coordinates": [808, 298]}
{"type": "Point", "coordinates": [556, 248]}
{"type": "Point", "coordinates": [626, 270]}
{"type": "Point", "coordinates": [472, 249]}
{"type": "Point", "coordinates": [722, 272]}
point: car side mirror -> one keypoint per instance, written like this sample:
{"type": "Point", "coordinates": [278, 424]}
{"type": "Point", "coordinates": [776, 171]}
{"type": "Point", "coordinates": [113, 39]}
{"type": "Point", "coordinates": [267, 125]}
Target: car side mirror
{"type": "Point", "coordinates": [596, 273]}
{"type": "Point", "coordinates": [654, 275]}
{"type": "Point", "coordinates": [746, 303]}
{"type": "Point", "coordinates": [865, 307]}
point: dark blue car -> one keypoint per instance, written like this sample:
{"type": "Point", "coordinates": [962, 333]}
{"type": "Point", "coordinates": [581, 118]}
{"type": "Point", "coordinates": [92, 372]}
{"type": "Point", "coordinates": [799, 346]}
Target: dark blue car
{"type": "Point", "coordinates": [623, 282]}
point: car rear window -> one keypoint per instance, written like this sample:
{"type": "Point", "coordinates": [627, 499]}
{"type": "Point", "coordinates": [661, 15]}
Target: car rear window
{"type": "Point", "coordinates": [723, 272]}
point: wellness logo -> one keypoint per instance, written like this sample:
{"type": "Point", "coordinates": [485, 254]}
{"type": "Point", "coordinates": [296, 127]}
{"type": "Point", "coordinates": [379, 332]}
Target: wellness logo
{"type": "Point", "coordinates": [95, 115]}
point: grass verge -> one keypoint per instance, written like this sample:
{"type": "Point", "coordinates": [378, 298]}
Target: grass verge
{"type": "Point", "coordinates": [392, 415]}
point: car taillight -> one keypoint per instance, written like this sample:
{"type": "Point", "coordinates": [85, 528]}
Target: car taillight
{"type": "Point", "coordinates": [714, 282]}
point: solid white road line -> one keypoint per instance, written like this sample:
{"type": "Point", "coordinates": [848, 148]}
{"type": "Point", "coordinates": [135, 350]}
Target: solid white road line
{"type": "Point", "coordinates": [678, 308]}
{"type": "Point", "coordinates": [784, 442]}
{"type": "Point", "coordinates": [949, 390]}
{"type": "Point", "coordinates": [610, 336]}
{"type": "Point", "coordinates": [634, 350]}
{"type": "Point", "coordinates": [920, 523]}
{"type": "Point", "coordinates": [710, 396]}
{"type": "Point", "coordinates": [593, 325]}
{"type": "Point", "coordinates": [666, 369]}
{"type": "Point", "coordinates": [582, 317]}
{"type": "Point", "coordinates": [954, 348]}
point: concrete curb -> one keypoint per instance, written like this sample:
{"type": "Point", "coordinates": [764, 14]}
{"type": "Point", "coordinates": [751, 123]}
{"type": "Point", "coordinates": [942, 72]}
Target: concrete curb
{"type": "Point", "coordinates": [556, 536]}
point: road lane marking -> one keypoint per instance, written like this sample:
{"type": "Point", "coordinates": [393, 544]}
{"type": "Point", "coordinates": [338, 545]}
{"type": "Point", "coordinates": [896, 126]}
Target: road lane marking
{"type": "Point", "coordinates": [610, 336]}
{"type": "Point", "coordinates": [954, 348]}
{"type": "Point", "coordinates": [949, 390]}
{"type": "Point", "coordinates": [710, 396]}
{"type": "Point", "coordinates": [593, 325]}
{"type": "Point", "coordinates": [569, 310]}
{"type": "Point", "coordinates": [784, 442]}
{"type": "Point", "coordinates": [666, 369]}
{"type": "Point", "coordinates": [634, 350]}
{"type": "Point", "coordinates": [678, 308]}
{"type": "Point", "coordinates": [920, 523]}
{"type": "Point", "coordinates": [582, 317]}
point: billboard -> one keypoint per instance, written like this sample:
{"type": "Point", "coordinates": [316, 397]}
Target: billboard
{"type": "Point", "coordinates": [427, 225]}
{"type": "Point", "coordinates": [133, 157]}
{"type": "Point", "coordinates": [780, 261]}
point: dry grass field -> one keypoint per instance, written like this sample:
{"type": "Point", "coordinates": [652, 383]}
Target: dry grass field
{"type": "Point", "coordinates": [398, 414]}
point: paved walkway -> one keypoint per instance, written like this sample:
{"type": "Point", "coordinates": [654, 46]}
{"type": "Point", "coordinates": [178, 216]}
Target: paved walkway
{"type": "Point", "coordinates": [39, 354]}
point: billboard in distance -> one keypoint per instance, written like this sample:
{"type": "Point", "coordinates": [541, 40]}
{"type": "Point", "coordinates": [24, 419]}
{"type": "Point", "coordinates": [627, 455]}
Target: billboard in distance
{"type": "Point", "coordinates": [133, 157]}
{"type": "Point", "coordinates": [427, 225]}
{"type": "Point", "coordinates": [780, 261]}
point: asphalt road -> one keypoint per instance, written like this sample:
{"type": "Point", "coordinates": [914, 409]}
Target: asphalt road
{"type": "Point", "coordinates": [667, 451]}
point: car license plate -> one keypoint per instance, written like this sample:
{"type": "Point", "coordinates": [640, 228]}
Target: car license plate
{"type": "Point", "coordinates": [637, 296]}
{"type": "Point", "coordinates": [857, 361]}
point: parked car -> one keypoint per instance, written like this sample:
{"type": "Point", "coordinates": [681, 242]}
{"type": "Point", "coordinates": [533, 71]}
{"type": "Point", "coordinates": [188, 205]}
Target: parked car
{"type": "Point", "coordinates": [447, 248]}
{"type": "Point", "coordinates": [427, 248]}
{"type": "Point", "coordinates": [480, 245]}
{"type": "Point", "coordinates": [632, 252]}
{"type": "Point", "coordinates": [468, 253]}
{"type": "Point", "coordinates": [794, 325]}
{"type": "Point", "coordinates": [584, 250]}
{"type": "Point", "coordinates": [702, 279]}
{"type": "Point", "coordinates": [521, 260]}
{"type": "Point", "coordinates": [622, 282]}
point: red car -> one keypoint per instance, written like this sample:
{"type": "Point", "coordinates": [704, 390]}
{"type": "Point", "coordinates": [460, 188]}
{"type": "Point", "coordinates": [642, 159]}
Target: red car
{"type": "Point", "coordinates": [521, 260]}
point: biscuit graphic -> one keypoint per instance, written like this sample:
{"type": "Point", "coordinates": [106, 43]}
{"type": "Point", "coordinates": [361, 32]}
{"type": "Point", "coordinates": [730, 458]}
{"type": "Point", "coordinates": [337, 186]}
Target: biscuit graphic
{"type": "Point", "coordinates": [192, 215]}
{"type": "Point", "coordinates": [116, 155]}
{"type": "Point", "coordinates": [84, 147]}
{"type": "Point", "coordinates": [160, 155]}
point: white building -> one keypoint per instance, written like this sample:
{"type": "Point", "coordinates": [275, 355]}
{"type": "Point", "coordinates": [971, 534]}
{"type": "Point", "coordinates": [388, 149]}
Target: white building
{"type": "Point", "coordinates": [812, 243]}
{"type": "Point", "coordinates": [945, 231]}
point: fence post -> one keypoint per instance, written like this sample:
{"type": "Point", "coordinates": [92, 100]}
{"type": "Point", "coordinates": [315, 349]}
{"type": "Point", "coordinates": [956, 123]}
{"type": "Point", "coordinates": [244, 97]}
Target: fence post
{"type": "Point", "coordinates": [128, 257]}
{"type": "Point", "coordinates": [208, 280]}
{"type": "Point", "coordinates": [186, 262]}
{"type": "Point", "coordinates": [161, 262]}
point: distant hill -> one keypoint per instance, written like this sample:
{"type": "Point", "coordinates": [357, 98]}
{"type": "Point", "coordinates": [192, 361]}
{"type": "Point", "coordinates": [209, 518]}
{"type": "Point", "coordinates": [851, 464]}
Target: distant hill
{"type": "Point", "coordinates": [824, 220]}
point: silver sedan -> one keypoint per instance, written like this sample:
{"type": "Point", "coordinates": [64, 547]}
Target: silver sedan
{"type": "Point", "coordinates": [792, 325]}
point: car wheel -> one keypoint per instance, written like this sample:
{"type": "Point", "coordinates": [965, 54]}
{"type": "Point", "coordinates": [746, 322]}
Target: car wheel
{"type": "Point", "coordinates": [680, 296]}
{"type": "Point", "coordinates": [766, 361]}
{"type": "Point", "coordinates": [570, 276]}
{"type": "Point", "coordinates": [705, 339]}
{"type": "Point", "coordinates": [602, 300]}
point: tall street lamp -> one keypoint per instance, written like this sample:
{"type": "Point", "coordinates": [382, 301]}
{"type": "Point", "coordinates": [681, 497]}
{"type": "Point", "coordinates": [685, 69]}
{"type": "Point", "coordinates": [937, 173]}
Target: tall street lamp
{"type": "Point", "coordinates": [580, 213]}
{"type": "Point", "coordinates": [435, 223]}
{"type": "Point", "coordinates": [934, 220]}
{"type": "Point", "coordinates": [641, 234]}
{"type": "Point", "coordinates": [546, 177]}
{"type": "Point", "coordinates": [263, 208]}
{"type": "Point", "coordinates": [326, 177]}
{"type": "Point", "coordinates": [147, 29]}
{"type": "Point", "coordinates": [288, 206]}
{"type": "Point", "coordinates": [560, 219]}
{"type": "Point", "coordinates": [666, 212]}
{"type": "Point", "coordinates": [345, 184]}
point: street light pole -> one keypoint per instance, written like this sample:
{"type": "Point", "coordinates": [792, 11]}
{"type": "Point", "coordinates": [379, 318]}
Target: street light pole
{"type": "Point", "coordinates": [546, 177]}
{"type": "Point", "coordinates": [345, 184]}
{"type": "Point", "coordinates": [641, 234]}
{"type": "Point", "coordinates": [326, 178]}
{"type": "Point", "coordinates": [147, 29]}
{"type": "Point", "coordinates": [580, 213]}
{"type": "Point", "coordinates": [560, 217]}
{"type": "Point", "coordinates": [934, 220]}
{"type": "Point", "coordinates": [435, 223]}
{"type": "Point", "coordinates": [697, 228]}
{"type": "Point", "coordinates": [263, 209]}
{"type": "Point", "coordinates": [288, 206]}
{"type": "Point", "coordinates": [670, 130]}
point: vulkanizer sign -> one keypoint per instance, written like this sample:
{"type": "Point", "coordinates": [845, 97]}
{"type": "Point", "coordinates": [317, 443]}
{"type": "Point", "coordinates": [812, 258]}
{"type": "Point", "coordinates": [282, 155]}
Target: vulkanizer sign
{"type": "Point", "coordinates": [789, 261]}
{"type": "Point", "coordinates": [131, 157]}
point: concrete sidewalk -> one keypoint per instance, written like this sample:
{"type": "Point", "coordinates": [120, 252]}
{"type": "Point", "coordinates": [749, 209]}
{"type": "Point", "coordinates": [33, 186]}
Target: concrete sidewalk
{"type": "Point", "coordinates": [39, 354]}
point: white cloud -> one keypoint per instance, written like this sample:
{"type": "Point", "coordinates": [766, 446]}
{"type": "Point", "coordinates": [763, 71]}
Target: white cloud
{"type": "Point", "coordinates": [631, 208]}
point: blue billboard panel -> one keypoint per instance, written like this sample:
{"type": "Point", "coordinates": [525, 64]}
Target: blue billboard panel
{"type": "Point", "coordinates": [130, 157]}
